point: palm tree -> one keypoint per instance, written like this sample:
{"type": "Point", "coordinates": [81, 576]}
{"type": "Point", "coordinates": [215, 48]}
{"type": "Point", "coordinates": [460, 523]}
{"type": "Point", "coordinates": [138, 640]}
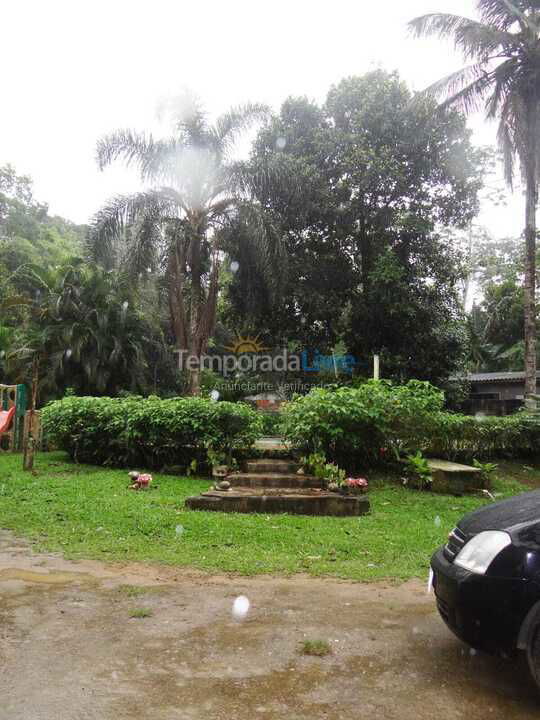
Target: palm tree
{"type": "Point", "coordinates": [175, 226]}
{"type": "Point", "coordinates": [503, 78]}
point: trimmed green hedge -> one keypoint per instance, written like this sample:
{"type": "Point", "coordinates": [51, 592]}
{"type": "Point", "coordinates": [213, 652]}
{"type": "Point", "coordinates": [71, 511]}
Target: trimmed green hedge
{"type": "Point", "coordinates": [149, 432]}
{"type": "Point", "coordinates": [465, 437]}
{"type": "Point", "coordinates": [380, 421]}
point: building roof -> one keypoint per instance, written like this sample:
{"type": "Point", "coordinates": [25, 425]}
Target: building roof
{"type": "Point", "coordinates": [508, 377]}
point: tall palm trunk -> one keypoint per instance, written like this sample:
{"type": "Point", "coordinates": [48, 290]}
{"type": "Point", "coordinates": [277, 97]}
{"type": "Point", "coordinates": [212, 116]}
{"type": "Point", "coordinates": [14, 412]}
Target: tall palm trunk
{"type": "Point", "coordinates": [195, 345]}
{"type": "Point", "coordinates": [530, 248]}
{"type": "Point", "coordinates": [193, 319]}
{"type": "Point", "coordinates": [188, 316]}
{"type": "Point", "coordinates": [529, 291]}
{"type": "Point", "coordinates": [175, 296]}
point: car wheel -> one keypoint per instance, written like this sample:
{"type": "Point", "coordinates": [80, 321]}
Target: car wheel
{"type": "Point", "coordinates": [533, 653]}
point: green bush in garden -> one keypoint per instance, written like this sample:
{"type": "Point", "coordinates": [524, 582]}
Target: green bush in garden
{"type": "Point", "coordinates": [149, 432]}
{"type": "Point", "coordinates": [271, 423]}
{"type": "Point", "coordinates": [456, 436]}
{"type": "Point", "coordinates": [364, 423]}
{"type": "Point", "coordinates": [380, 421]}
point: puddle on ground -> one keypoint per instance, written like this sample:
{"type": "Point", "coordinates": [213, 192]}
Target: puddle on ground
{"type": "Point", "coordinates": [46, 578]}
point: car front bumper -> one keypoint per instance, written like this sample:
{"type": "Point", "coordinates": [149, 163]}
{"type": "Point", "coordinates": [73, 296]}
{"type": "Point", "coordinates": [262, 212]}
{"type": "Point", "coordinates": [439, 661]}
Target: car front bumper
{"type": "Point", "coordinates": [485, 612]}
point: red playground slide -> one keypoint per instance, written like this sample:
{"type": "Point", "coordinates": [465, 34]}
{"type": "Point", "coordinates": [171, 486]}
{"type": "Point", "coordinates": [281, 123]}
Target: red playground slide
{"type": "Point", "coordinates": [6, 416]}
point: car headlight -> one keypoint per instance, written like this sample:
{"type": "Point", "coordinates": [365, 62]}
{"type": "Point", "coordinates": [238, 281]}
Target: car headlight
{"type": "Point", "coordinates": [478, 554]}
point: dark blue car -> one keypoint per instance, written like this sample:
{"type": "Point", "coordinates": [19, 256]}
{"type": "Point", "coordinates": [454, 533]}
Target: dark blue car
{"type": "Point", "coordinates": [487, 578]}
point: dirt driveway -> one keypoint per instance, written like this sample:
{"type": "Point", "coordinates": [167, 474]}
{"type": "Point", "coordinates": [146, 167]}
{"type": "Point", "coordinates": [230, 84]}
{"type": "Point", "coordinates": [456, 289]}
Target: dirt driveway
{"type": "Point", "coordinates": [69, 649]}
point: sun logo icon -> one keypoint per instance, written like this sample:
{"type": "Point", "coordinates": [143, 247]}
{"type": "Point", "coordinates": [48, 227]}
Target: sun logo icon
{"type": "Point", "coordinates": [246, 344]}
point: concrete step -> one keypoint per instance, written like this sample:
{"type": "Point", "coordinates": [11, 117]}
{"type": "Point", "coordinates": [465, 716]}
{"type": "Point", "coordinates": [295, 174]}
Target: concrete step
{"type": "Point", "coordinates": [274, 467]}
{"type": "Point", "coordinates": [273, 480]}
{"type": "Point", "coordinates": [271, 444]}
{"type": "Point", "coordinates": [286, 500]}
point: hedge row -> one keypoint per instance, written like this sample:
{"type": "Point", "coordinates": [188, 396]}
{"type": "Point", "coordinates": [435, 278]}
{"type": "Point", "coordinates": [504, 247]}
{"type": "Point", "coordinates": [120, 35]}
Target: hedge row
{"type": "Point", "coordinates": [464, 437]}
{"type": "Point", "coordinates": [381, 421]}
{"type": "Point", "coordinates": [377, 421]}
{"type": "Point", "coordinates": [148, 432]}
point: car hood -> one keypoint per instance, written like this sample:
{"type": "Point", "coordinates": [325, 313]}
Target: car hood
{"type": "Point", "coordinates": [504, 515]}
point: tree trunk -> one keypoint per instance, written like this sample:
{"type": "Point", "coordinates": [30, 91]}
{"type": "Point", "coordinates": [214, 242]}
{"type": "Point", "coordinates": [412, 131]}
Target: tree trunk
{"type": "Point", "coordinates": [206, 323]}
{"type": "Point", "coordinates": [192, 321]}
{"type": "Point", "coordinates": [197, 234]}
{"type": "Point", "coordinates": [176, 301]}
{"type": "Point", "coordinates": [530, 253]}
{"type": "Point", "coordinates": [529, 293]}
{"type": "Point", "coordinates": [366, 259]}
{"type": "Point", "coordinates": [195, 382]}
{"type": "Point", "coordinates": [185, 321]}
{"type": "Point", "coordinates": [30, 443]}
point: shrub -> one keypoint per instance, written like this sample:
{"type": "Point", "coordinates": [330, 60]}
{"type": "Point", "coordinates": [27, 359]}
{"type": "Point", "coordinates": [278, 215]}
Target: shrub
{"type": "Point", "coordinates": [418, 471]}
{"type": "Point", "coordinates": [465, 437]}
{"type": "Point", "coordinates": [351, 424]}
{"type": "Point", "coordinates": [149, 432]}
{"type": "Point", "coordinates": [487, 471]}
{"type": "Point", "coordinates": [381, 421]}
{"type": "Point", "coordinates": [316, 465]}
{"type": "Point", "coordinates": [272, 423]}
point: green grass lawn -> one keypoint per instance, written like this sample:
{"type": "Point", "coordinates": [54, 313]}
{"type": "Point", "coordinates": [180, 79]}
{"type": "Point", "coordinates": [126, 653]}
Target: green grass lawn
{"type": "Point", "coordinates": [87, 511]}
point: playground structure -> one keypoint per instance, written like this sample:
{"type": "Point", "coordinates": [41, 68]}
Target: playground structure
{"type": "Point", "coordinates": [13, 399]}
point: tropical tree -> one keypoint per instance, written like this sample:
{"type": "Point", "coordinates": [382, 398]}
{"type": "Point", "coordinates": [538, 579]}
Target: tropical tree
{"type": "Point", "coordinates": [377, 175]}
{"type": "Point", "coordinates": [175, 227]}
{"type": "Point", "coordinates": [503, 78]}
{"type": "Point", "coordinates": [85, 328]}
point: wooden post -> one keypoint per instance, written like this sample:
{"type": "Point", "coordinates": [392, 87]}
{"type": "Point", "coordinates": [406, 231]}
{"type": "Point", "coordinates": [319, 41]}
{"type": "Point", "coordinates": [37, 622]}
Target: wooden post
{"type": "Point", "coordinates": [29, 445]}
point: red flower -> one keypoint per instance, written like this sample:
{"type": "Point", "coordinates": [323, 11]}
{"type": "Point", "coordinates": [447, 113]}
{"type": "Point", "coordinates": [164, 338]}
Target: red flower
{"type": "Point", "coordinates": [356, 482]}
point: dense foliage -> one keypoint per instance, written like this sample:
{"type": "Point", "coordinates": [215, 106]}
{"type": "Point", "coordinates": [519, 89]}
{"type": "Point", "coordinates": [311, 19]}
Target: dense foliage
{"type": "Point", "coordinates": [89, 330]}
{"type": "Point", "coordinates": [380, 421]}
{"type": "Point", "coordinates": [361, 423]}
{"type": "Point", "coordinates": [376, 175]}
{"type": "Point", "coordinates": [502, 54]}
{"type": "Point", "coordinates": [28, 234]}
{"type": "Point", "coordinates": [495, 323]}
{"type": "Point", "coordinates": [149, 432]}
{"type": "Point", "coordinates": [173, 228]}
{"type": "Point", "coordinates": [340, 235]}
{"type": "Point", "coordinates": [455, 437]}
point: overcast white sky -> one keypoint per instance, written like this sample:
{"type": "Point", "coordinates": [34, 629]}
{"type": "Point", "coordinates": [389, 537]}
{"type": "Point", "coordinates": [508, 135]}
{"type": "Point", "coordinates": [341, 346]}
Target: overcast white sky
{"type": "Point", "coordinates": [73, 70]}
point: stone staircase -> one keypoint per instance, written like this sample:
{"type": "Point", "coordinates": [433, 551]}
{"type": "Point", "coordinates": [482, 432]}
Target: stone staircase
{"type": "Point", "coordinates": [270, 473]}
{"type": "Point", "coordinates": [271, 485]}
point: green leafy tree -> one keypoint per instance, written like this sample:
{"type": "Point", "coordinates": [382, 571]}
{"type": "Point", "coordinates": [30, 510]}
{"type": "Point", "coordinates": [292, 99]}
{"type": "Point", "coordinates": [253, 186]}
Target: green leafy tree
{"type": "Point", "coordinates": [497, 261]}
{"type": "Point", "coordinates": [174, 227]}
{"type": "Point", "coordinates": [503, 50]}
{"type": "Point", "coordinates": [28, 234]}
{"type": "Point", "coordinates": [375, 176]}
{"type": "Point", "coordinates": [495, 323]}
{"type": "Point", "coordinates": [503, 311]}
